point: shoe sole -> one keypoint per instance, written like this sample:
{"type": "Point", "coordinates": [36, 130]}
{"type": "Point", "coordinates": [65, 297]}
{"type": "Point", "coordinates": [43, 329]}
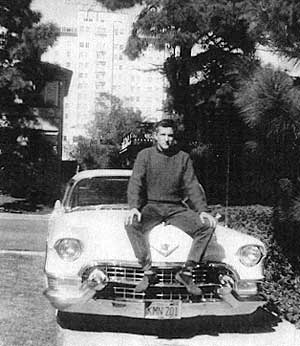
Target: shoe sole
{"type": "Point", "coordinates": [143, 289]}
{"type": "Point", "coordinates": [179, 279]}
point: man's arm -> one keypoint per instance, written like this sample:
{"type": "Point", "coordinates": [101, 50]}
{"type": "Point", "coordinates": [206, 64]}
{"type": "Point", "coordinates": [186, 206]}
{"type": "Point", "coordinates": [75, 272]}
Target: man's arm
{"type": "Point", "coordinates": [196, 194]}
{"type": "Point", "coordinates": [136, 190]}
{"type": "Point", "coordinates": [192, 188]}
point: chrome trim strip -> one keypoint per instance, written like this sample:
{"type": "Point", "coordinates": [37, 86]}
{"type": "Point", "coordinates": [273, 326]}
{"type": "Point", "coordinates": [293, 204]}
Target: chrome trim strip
{"type": "Point", "coordinates": [160, 265]}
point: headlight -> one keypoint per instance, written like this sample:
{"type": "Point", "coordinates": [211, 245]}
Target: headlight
{"type": "Point", "coordinates": [69, 249]}
{"type": "Point", "coordinates": [250, 255]}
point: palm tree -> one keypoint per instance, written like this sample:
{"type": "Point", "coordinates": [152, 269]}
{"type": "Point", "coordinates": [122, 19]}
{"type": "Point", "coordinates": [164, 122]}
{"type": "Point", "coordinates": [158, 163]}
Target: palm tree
{"type": "Point", "coordinates": [270, 105]}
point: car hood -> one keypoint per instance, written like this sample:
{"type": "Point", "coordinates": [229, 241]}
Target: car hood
{"type": "Point", "coordinates": [104, 238]}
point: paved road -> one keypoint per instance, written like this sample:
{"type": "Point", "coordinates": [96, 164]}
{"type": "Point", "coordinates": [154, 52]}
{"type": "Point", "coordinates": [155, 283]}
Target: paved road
{"type": "Point", "coordinates": [23, 232]}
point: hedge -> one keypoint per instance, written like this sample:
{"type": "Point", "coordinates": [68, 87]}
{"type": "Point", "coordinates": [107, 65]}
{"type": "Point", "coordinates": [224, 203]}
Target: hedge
{"type": "Point", "coordinates": [282, 283]}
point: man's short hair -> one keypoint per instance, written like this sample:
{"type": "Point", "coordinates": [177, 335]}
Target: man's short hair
{"type": "Point", "coordinates": [166, 123]}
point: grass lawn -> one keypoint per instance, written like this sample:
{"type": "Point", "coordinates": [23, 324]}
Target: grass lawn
{"type": "Point", "coordinates": [26, 317]}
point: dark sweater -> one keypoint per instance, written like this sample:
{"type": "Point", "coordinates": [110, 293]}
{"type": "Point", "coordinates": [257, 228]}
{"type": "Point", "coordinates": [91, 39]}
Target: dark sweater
{"type": "Point", "coordinates": [164, 177]}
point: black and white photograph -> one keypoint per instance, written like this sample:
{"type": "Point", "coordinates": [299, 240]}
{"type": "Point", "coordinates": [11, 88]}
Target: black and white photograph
{"type": "Point", "coordinates": [149, 172]}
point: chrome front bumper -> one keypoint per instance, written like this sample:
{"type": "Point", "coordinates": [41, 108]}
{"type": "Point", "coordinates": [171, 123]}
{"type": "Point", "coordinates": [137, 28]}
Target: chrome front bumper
{"type": "Point", "coordinates": [83, 302]}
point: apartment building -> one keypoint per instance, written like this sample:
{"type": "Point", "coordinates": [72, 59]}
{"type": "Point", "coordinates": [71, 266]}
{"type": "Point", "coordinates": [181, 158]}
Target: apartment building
{"type": "Point", "coordinates": [91, 44]}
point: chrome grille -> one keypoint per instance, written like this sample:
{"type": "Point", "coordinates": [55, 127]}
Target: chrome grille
{"type": "Point", "coordinates": [122, 281]}
{"type": "Point", "coordinates": [203, 274]}
{"type": "Point", "coordinates": [157, 293]}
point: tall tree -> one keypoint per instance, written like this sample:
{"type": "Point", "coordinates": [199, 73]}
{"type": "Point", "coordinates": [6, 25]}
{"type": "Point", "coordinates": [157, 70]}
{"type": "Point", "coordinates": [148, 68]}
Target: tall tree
{"type": "Point", "coordinates": [270, 106]}
{"type": "Point", "coordinates": [208, 43]}
{"type": "Point", "coordinates": [22, 42]}
{"type": "Point", "coordinates": [100, 148]}
{"type": "Point", "coordinates": [22, 76]}
{"type": "Point", "coordinates": [280, 21]}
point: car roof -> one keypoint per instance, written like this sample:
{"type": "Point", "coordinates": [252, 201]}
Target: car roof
{"type": "Point", "coordinates": [91, 173]}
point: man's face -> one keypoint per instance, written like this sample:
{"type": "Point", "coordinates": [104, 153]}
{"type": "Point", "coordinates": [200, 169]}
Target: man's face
{"type": "Point", "coordinates": [164, 137]}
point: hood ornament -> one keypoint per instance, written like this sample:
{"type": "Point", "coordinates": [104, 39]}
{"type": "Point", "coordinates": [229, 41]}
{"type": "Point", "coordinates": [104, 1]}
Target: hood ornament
{"type": "Point", "coordinates": [165, 249]}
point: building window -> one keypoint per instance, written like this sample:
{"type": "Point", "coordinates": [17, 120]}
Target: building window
{"type": "Point", "coordinates": [84, 44]}
{"type": "Point", "coordinates": [101, 31]}
{"type": "Point", "coordinates": [100, 85]}
{"type": "Point", "coordinates": [100, 75]}
{"type": "Point", "coordinates": [100, 54]}
{"type": "Point", "coordinates": [101, 63]}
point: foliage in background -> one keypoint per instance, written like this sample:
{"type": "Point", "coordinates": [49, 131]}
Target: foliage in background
{"type": "Point", "coordinates": [100, 147]}
{"type": "Point", "coordinates": [22, 42]}
{"type": "Point", "coordinates": [287, 219]}
{"type": "Point", "coordinates": [280, 20]}
{"type": "Point", "coordinates": [270, 106]}
{"type": "Point", "coordinates": [282, 283]}
{"type": "Point", "coordinates": [209, 44]}
{"type": "Point", "coordinates": [22, 76]}
{"type": "Point", "coordinates": [27, 167]}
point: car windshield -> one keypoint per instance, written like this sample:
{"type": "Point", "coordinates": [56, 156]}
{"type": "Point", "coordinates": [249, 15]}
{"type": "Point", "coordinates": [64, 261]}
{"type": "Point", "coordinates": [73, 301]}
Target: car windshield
{"type": "Point", "coordinates": [99, 190]}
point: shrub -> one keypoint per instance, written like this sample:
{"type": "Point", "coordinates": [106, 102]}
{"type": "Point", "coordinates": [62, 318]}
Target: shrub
{"type": "Point", "coordinates": [282, 283]}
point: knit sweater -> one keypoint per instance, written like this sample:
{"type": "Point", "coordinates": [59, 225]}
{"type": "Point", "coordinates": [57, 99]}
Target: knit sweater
{"type": "Point", "coordinates": [164, 178]}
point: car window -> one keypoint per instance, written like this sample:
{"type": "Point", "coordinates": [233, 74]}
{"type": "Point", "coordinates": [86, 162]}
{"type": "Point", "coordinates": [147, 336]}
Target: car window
{"type": "Point", "coordinates": [100, 190]}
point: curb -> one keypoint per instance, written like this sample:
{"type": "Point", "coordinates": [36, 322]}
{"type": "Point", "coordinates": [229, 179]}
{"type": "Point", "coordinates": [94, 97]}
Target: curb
{"type": "Point", "coordinates": [23, 252]}
{"type": "Point", "coordinates": [20, 216]}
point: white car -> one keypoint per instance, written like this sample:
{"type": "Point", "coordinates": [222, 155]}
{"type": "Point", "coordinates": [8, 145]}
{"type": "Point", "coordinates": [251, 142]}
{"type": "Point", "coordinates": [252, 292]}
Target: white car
{"type": "Point", "coordinates": [91, 268]}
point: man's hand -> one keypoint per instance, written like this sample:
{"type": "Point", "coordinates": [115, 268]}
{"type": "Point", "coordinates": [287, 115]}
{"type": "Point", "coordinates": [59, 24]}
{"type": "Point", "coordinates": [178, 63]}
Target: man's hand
{"type": "Point", "coordinates": [204, 216]}
{"type": "Point", "coordinates": [134, 215]}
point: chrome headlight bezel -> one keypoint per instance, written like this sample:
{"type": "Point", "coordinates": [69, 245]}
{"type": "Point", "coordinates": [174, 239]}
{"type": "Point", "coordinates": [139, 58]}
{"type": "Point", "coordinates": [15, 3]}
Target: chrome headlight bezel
{"type": "Point", "coordinates": [68, 249]}
{"type": "Point", "coordinates": [251, 254]}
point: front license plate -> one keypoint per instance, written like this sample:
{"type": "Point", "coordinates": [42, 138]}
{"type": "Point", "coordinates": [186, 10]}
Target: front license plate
{"type": "Point", "coordinates": [163, 310]}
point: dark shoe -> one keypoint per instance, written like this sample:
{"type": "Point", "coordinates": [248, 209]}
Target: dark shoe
{"type": "Point", "coordinates": [148, 279]}
{"type": "Point", "coordinates": [186, 278]}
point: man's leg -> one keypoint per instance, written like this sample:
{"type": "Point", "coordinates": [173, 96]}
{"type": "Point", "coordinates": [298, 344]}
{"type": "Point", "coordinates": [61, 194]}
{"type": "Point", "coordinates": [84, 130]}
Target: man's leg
{"type": "Point", "coordinates": [138, 234]}
{"type": "Point", "coordinates": [190, 223]}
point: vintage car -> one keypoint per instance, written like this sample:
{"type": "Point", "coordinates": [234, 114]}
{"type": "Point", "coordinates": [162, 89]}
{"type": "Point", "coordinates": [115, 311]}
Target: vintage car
{"type": "Point", "coordinates": [90, 266]}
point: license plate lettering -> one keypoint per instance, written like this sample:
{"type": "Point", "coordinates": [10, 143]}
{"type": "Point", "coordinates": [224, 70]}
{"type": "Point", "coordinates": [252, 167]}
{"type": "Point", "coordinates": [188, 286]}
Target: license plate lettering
{"type": "Point", "coordinates": [163, 310]}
